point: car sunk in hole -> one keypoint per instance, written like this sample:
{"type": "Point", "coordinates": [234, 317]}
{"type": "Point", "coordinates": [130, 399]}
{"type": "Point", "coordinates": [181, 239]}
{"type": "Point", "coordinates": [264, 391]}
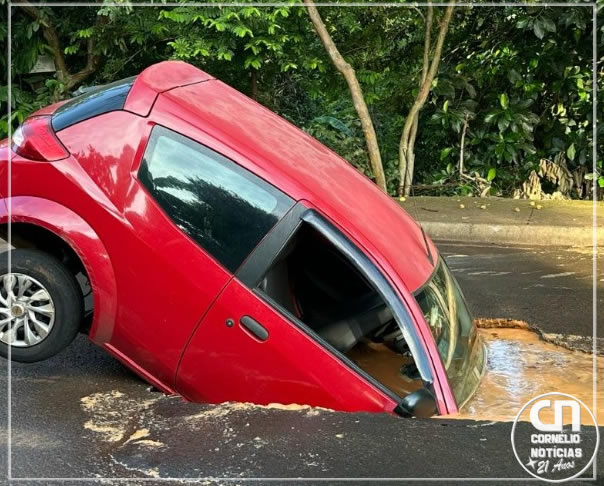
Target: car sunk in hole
{"type": "Point", "coordinates": [228, 255]}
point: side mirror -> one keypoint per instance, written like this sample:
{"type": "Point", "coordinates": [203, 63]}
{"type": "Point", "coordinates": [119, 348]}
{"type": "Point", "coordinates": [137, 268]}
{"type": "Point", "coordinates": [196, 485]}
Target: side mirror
{"type": "Point", "coordinates": [420, 403]}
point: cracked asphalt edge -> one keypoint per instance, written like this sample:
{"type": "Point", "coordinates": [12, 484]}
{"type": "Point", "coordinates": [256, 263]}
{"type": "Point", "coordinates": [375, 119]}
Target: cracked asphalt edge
{"type": "Point", "coordinates": [584, 344]}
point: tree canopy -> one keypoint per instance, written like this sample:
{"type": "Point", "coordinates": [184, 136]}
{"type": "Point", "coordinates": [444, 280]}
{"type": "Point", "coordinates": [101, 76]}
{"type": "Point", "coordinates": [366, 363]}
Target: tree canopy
{"type": "Point", "coordinates": [508, 111]}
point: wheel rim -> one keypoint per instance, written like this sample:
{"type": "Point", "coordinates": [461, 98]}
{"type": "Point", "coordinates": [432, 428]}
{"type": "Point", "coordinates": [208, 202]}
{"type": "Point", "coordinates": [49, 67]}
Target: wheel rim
{"type": "Point", "coordinates": [27, 311]}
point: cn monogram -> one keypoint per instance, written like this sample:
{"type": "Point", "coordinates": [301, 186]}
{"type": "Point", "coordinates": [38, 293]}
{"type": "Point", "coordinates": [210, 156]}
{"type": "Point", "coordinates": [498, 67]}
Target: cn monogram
{"type": "Point", "coordinates": [559, 405]}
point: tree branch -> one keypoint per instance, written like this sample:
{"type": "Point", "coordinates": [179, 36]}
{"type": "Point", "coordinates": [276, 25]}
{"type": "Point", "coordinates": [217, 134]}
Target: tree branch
{"type": "Point", "coordinates": [93, 60]}
{"type": "Point", "coordinates": [406, 145]}
{"type": "Point", "coordinates": [51, 36]}
{"type": "Point", "coordinates": [356, 92]}
{"type": "Point", "coordinates": [427, 43]}
{"type": "Point", "coordinates": [462, 145]}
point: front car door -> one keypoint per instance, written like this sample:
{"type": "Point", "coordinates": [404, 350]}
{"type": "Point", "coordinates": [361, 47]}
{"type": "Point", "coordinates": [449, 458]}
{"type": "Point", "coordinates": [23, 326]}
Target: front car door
{"type": "Point", "coordinates": [264, 340]}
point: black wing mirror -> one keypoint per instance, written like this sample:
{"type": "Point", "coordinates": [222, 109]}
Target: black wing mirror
{"type": "Point", "coordinates": [420, 403]}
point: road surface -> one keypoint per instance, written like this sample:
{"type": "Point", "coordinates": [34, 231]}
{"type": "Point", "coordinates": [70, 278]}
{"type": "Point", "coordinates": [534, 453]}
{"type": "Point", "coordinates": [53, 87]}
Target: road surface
{"type": "Point", "coordinates": [82, 414]}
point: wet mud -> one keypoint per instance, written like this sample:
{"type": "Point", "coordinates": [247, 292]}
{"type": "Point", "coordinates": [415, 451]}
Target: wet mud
{"type": "Point", "coordinates": [521, 366]}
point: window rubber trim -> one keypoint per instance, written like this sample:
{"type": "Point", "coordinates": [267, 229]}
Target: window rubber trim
{"type": "Point", "coordinates": [383, 287]}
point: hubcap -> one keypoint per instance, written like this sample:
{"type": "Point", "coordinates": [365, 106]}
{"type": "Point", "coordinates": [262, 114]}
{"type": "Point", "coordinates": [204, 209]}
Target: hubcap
{"type": "Point", "coordinates": [27, 312]}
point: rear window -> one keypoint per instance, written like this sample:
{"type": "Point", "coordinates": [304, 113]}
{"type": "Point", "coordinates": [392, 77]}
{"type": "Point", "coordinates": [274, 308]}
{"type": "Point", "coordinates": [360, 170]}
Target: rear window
{"type": "Point", "coordinates": [226, 209]}
{"type": "Point", "coordinates": [96, 101]}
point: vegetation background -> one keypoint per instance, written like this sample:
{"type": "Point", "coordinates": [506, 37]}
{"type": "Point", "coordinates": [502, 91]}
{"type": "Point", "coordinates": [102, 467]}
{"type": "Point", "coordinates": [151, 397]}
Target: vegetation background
{"type": "Point", "coordinates": [458, 100]}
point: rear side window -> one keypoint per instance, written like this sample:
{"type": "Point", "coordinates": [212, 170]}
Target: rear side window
{"type": "Point", "coordinates": [96, 101]}
{"type": "Point", "coordinates": [226, 209]}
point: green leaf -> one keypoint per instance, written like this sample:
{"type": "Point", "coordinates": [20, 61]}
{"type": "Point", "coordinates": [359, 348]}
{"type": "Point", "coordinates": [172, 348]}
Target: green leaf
{"type": "Point", "coordinates": [601, 181]}
{"type": "Point", "coordinates": [549, 24]}
{"type": "Point", "coordinates": [72, 49]}
{"type": "Point", "coordinates": [444, 153]}
{"type": "Point", "coordinates": [514, 76]}
{"type": "Point", "coordinates": [252, 61]}
{"type": "Point", "coordinates": [570, 152]}
{"type": "Point", "coordinates": [491, 116]}
{"type": "Point", "coordinates": [502, 124]}
{"type": "Point", "coordinates": [446, 106]}
{"type": "Point", "coordinates": [85, 33]}
{"type": "Point", "coordinates": [503, 100]}
{"type": "Point", "coordinates": [538, 28]}
{"type": "Point", "coordinates": [242, 31]}
{"type": "Point", "coordinates": [492, 173]}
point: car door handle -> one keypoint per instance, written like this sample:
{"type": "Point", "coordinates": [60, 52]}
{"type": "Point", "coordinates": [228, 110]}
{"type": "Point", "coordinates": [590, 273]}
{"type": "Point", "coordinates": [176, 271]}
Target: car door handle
{"type": "Point", "coordinates": [254, 327]}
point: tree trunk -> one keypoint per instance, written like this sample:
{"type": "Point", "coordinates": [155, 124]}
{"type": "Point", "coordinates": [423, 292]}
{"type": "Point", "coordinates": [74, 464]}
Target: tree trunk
{"type": "Point", "coordinates": [68, 79]}
{"type": "Point", "coordinates": [462, 144]}
{"type": "Point", "coordinates": [356, 92]}
{"type": "Point", "coordinates": [429, 70]}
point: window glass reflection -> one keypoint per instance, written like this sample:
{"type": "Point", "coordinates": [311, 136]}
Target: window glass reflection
{"type": "Point", "coordinates": [223, 207]}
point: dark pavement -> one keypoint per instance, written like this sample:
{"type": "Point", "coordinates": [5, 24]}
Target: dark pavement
{"type": "Point", "coordinates": [551, 288]}
{"type": "Point", "coordinates": [82, 414]}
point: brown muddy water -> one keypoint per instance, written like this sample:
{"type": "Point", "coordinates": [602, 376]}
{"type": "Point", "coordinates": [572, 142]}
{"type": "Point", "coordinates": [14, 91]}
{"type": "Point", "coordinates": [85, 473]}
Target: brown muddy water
{"type": "Point", "coordinates": [385, 365]}
{"type": "Point", "coordinates": [520, 367]}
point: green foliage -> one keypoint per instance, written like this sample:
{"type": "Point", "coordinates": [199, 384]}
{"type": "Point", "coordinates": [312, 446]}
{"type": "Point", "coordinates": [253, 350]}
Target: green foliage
{"type": "Point", "coordinates": [531, 69]}
{"type": "Point", "coordinates": [514, 82]}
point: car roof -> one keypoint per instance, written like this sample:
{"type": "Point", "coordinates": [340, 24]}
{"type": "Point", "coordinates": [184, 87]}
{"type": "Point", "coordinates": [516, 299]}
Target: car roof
{"type": "Point", "coordinates": [305, 169]}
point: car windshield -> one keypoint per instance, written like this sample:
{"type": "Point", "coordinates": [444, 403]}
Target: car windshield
{"type": "Point", "coordinates": [459, 346]}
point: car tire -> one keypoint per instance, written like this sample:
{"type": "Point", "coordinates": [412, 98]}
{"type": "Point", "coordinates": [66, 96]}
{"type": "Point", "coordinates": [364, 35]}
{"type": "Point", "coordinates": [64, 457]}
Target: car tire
{"type": "Point", "coordinates": [46, 326]}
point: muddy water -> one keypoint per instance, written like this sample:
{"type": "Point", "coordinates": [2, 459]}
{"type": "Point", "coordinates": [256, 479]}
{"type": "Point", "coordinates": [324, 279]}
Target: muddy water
{"type": "Point", "coordinates": [521, 367]}
{"type": "Point", "coordinates": [384, 365]}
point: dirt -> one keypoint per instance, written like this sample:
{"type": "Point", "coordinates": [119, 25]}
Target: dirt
{"type": "Point", "coordinates": [522, 366]}
{"type": "Point", "coordinates": [110, 417]}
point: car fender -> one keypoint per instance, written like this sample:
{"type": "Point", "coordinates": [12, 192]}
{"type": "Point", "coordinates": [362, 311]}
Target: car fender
{"type": "Point", "coordinates": [80, 236]}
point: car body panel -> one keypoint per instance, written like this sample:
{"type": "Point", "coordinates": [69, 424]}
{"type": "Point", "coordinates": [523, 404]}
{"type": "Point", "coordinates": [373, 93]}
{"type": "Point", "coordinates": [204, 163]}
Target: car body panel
{"type": "Point", "coordinates": [157, 309]}
{"type": "Point", "coordinates": [50, 109]}
{"type": "Point", "coordinates": [159, 78]}
{"type": "Point", "coordinates": [82, 238]}
{"type": "Point", "coordinates": [304, 168]}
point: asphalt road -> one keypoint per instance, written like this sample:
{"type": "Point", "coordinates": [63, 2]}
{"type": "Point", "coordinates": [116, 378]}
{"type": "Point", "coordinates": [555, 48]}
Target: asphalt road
{"type": "Point", "coordinates": [551, 288]}
{"type": "Point", "coordinates": [82, 414]}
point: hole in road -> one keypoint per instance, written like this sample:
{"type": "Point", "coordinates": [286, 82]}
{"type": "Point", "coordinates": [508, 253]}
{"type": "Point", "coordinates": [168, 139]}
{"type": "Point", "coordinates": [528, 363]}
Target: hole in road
{"type": "Point", "coordinates": [522, 366]}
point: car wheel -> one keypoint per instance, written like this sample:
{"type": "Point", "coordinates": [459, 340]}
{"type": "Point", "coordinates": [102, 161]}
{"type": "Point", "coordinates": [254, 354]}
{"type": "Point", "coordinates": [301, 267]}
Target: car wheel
{"type": "Point", "coordinates": [41, 306]}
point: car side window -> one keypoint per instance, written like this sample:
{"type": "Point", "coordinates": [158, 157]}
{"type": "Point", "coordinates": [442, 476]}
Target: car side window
{"type": "Point", "coordinates": [226, 209]}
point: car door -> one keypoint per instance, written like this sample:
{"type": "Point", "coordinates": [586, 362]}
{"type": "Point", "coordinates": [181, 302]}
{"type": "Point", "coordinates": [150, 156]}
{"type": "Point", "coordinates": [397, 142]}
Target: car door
{"type": "Point", "coordinates": [251, 348]}
{"type": "Point", "coordinates": [244, 350]}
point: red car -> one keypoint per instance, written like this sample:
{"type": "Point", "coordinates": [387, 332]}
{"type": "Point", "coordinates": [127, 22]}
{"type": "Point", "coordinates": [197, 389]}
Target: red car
{"type": "Point", "coordinates": [227, 255]}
